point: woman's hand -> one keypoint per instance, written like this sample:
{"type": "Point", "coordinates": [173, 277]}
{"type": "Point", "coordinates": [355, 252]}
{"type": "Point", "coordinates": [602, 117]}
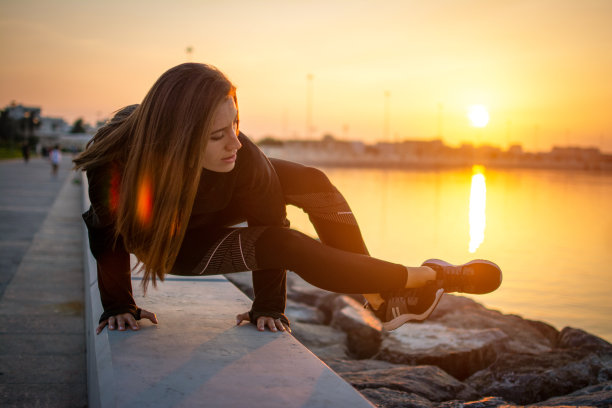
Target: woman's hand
{"type": "Point", "coordinates": [263, 322]}
{"type": "Point", "coordinates": [124, 320]}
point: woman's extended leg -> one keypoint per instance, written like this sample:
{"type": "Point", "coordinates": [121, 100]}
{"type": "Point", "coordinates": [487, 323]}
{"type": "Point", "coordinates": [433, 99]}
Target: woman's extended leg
{"type": "Point", "coordinates": [229, 250]}
{"type": "Point", "coordinates": [311, 190]}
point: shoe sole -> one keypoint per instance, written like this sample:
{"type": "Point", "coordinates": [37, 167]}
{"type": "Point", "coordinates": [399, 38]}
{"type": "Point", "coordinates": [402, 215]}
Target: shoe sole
{"type": "Point", "coordinates": [472, 262]}
{"type": "Point", "coordinates": [405, 318]}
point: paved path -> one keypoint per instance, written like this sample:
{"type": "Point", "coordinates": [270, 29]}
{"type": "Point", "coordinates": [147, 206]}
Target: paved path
{"type": "Point", "coordinates": [42, 341]}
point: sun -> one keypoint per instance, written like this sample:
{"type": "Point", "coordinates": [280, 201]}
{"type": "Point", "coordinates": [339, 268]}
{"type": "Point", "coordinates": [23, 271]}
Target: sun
{"type": "Point", "coordinates": [478, 115]}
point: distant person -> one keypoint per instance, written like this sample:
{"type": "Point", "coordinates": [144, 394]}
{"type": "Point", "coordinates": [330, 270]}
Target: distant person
{"type": "Point", "coordinates": [25, 152]}
{"type": "Point", "coordinates": [170, 177]}
{"type": "Point", "coordinates": [55, 157]}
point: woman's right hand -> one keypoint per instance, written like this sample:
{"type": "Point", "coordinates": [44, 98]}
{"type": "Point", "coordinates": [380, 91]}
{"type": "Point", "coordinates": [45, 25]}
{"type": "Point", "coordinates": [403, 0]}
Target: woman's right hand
{"type": "Point", "coordinates": [125, 320]}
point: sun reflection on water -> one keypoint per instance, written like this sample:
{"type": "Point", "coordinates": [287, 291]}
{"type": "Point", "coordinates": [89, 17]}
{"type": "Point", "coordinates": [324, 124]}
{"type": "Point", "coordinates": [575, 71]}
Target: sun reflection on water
{"type": "Point", "coordinates": [478, 200]}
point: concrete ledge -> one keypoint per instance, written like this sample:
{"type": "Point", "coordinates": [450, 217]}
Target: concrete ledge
{"type": "Point", "coordinates": [197, 356]}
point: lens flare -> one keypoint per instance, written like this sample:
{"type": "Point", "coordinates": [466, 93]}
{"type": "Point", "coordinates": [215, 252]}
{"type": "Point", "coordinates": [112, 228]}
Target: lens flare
{"type": "Point", "coordinates": [144, 209]}
{"type": "Point", "coordinates": [477, 216]}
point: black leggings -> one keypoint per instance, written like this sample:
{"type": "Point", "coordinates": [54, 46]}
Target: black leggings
{"type": "Point", "coordinates": [338, 263]}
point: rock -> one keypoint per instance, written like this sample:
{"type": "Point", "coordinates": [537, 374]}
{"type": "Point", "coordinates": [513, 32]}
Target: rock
{"type": "Point", "coordinates": [243, 281]}
{"type": "Point", "coordinates": [349, 366]}
{"type": "Point", "coordinates": [333, 351]}
{"type": "Point", "coordinates": [301, 291]}
{"type": "Point", "coordinates": [363, 329]}
{"type": "Point", "coordinates": [425, 381]}
{"type": "Point", "coordinates": [326, 305]}
{"type": "Point", "coordinates": [299, 312]}
{"type": "Point", "coordinates": [523, 336]}
{"type": "Point", "coordinates": [388, 398]}
{"type": "Point", "coordinates": [594, 396]}
{"type": "Point", "coordinates": [527, 378]}
{"type": "Point", "coordinates": [488, 402]}
{"type": "Point", "coordinates": [576, 338]}
{"type": "Point", "coordinates": [460, 352]}
{"type": "Point", "coordinates": [324, 341]}
{"type": "Point", "coordinates": [545, 329]}
{"type": "Point", "coordinates": [451, 303]}
{"type": "Point", "coordinates": [317, 335]}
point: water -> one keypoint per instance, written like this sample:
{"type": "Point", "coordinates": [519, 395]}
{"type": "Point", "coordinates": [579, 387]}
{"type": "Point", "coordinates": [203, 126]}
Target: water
{"type": "Point", "coordinates": [550, 231]}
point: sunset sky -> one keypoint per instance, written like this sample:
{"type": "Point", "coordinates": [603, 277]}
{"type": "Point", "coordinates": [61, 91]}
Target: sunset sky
{"type": "Point", "coordinates": [542, 69]}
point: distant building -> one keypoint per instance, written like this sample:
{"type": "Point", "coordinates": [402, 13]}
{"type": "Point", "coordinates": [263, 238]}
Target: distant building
{"type": "Point", "coordinates": [50, 127]}
{"type": "Point", "coordinates": [18, 112]}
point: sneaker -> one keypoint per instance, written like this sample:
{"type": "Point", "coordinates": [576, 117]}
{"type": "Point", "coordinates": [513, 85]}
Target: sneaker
{"type": "Point", "coordinates": [477, 277]}
{"type": "Point", "coordinates": [407, 305]}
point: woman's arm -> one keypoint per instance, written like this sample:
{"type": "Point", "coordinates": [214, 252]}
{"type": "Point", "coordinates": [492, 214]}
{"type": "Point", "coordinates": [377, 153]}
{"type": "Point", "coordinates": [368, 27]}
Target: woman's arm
{"type": "Point", "coordinates": [262, 200]}
{"type": "Point", "coordinates": [113, 261]}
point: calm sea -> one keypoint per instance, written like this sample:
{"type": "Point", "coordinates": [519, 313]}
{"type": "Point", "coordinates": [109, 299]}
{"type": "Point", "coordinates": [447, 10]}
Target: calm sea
{"type": "Point", "coordinates": [550, 231]}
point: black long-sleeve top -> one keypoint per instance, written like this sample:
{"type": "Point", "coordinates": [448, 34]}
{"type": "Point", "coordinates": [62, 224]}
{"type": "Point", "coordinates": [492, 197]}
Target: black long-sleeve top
{"type": "Point", "coordinates": [253, 184]}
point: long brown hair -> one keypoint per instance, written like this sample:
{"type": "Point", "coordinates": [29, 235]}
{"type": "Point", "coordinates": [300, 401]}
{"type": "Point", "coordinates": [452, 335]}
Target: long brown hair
{"type": "Point", "coordinates": [159, 146]}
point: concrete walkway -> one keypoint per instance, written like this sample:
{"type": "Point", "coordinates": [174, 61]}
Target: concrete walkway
{"type": "Point", "coordinates": [42, 340]}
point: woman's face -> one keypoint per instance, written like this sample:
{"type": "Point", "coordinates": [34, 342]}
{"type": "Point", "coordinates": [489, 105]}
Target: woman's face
{"type": "Point", "coordinates": [220, 154]}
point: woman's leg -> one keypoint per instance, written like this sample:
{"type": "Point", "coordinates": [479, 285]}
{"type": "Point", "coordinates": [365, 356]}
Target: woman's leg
{"type": "Point", "coordinates": [310, 189]}
{"type": "Point", "coordinates": [262, 249]}
{"type": "Point", "coordinates": [230, 250]}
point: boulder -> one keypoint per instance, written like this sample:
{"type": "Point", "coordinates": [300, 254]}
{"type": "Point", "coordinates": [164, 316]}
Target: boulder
{"type": "Point", "coordinates": [460, 352]}
{"type": "Point", "coordinates": [488, 402]}
{"type": "Point", "coordinates": [528, 378]}
{"type": "Point", "coordinates": [570, 337]}
{"type": "Point", "coordinates": [326, 305]}
{"type": "Point", "coordinates": [523, 336]}
{"type": "Point", "coordinates": [594, 396]}
{"type": "Point", "coordinates": [388, 398]}
{"type": "Point", "coordinates": [428, 382]}
{"type": "Point", "coordinates": [303, 292]}
{"type": "Point", "coordinates": [299, 312]}
{"type": "Point", "coordinates": [363, 329]}
{"type": "Point", "coordinates": [324, 341]}
{"type": "Point", "coordinates": [350, 366]}
{"type": "Point", "coordinates": [317, 335]}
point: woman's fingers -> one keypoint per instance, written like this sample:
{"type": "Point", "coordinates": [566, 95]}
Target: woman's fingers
{"type": "Point", "coordinates": [101, 326]}
{"type": "Point", "coordinates": [145, 314]}
{"type": "Point", "coordinates": [272, 324]}
{"type": "Point", "coordinates": [242, 317]}
{"type": "Point", "coordinates": [130, 322]}
{"type": "Point", "coordinates": [125, 321]}
{"type": "Point", "coordinates": [281, 326]}
{"type": "Point", "coordinates": [261, 323]}
{"type": "Point", "coordinates": [121, 319]}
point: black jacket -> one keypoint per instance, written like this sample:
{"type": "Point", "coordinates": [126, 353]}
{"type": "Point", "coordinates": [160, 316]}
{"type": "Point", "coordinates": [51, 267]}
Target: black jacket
{"type": "Point", "coordinates": [252, 183]}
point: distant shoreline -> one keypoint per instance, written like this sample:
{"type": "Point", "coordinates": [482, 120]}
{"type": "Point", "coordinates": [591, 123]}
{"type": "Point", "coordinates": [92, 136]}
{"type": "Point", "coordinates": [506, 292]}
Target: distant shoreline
{"type": "Point", "coordinates": [441, 166]}
{"type": "Point", "coordinates": [432, 155]}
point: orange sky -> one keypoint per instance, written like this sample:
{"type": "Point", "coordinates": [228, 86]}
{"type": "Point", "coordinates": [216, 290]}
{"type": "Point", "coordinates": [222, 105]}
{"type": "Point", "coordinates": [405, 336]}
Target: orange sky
{"type": "Point", "coordinates": [542, 68]}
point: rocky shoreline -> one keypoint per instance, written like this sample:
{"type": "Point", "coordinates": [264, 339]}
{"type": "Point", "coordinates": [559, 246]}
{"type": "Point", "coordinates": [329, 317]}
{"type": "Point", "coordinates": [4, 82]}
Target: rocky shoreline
{"type": "Point", "coordinates": [464, 355]}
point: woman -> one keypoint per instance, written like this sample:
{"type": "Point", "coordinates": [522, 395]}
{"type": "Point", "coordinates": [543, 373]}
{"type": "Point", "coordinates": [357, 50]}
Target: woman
{"type": "Point", "coordinates": [169, 177]}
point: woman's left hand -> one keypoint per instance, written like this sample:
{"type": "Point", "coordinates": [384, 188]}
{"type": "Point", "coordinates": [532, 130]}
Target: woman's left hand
{"type": "Point", "coordinates": [263, 322]}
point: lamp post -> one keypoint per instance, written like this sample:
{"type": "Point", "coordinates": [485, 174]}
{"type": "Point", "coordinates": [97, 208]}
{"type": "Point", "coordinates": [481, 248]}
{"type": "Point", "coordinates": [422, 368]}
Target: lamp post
{"type": "Point", "coordinates": [386, 116]}
{"type": "Point", "coordinates": [309, 92]}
